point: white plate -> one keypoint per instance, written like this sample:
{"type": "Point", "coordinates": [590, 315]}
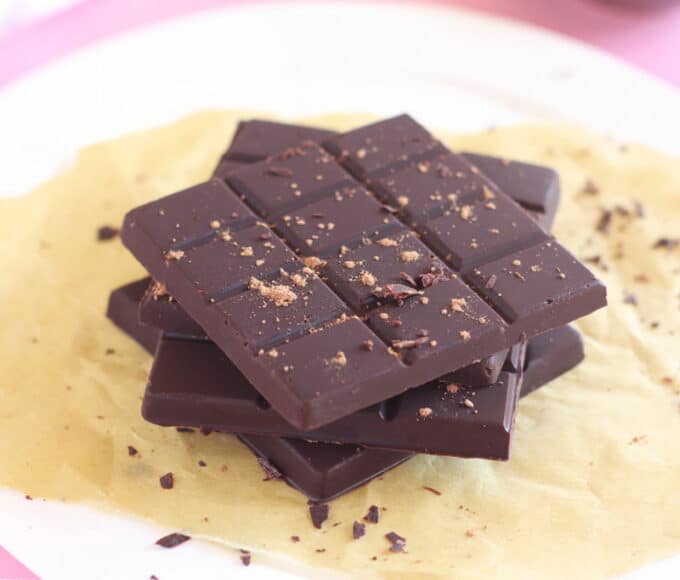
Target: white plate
{"type": "Point", "coordinates": [450, 68]}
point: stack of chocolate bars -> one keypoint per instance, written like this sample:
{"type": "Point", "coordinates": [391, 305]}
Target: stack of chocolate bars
{"type": "Point", "coordinates": [342, 302]}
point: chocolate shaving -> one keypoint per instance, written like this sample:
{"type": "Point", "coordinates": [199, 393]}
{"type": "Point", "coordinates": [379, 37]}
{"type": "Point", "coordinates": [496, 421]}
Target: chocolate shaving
{"type": "Point", "coordinates": [358, 530]}
{"type": "Point", "coordinates": [132, 451]}
{"type": "Point", "coordinates": [407, 344]}
{"type": "Point", "coordinates": [167, 480]}
{"type": "Point", "coordinates": [604, 223]}
{"type": "Point", "coordinates": [270, 472]}
{"type": "Point", "coordinates": [396, 292]}
{"type": "Point", "coordinates": [398, 542]}
{"type": "Point", "coordinates": [280, 172]}
{"type": "Point", "coordinates": [319, 513]}
{"type": "Point", "coordinates": [667, 243]}
{"type": "Point", "coordinates": [408, 279]}
{"type": "Point", "coordinates": [245, 557]}
{"type": "Point", "coordinates": [431, 278]}
{"type": "Point", "coordinates": [106, 233]}
{"type": "Point", "coordinates": [172, 540]}
{"type": "Point", "coordinates": [373, 515]}
{"type": "Point", "coordinates": [432, 489]}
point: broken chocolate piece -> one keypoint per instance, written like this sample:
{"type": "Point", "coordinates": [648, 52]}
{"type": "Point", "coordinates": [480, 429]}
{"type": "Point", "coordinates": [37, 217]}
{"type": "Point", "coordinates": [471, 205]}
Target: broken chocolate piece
{"type": "Point", "coordinates": [373, 515]}
{"type": "Point", "coordinates": [172, 540]}
{"type": "Point", "coordinates": [358, 530]}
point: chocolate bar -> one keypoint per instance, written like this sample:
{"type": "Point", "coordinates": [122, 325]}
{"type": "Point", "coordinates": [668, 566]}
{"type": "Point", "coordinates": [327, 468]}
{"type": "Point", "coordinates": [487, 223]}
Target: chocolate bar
{"type": "Point", "coordinates": [319, 351]}
{"type": "Point", "coordinates": [535, 188]}
{"type": "Point", "coordinates": [193, 384]}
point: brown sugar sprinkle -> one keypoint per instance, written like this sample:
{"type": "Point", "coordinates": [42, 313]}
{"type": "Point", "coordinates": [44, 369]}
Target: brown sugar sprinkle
{"type": "Point", "coordinates": [423, 166]}
{"type": "Point", "coordinates": [521, 277]}
{"type": "Point", "coordinates": [368, 345]}
{"type": "Point", "coordinates": [409, 256]}
{"type": "Point", "coordinates": [424, 300]}
{"type": "Point", "coordinates": [516, 262]}
{"type": "Point", "coordinates": [488, 193]}
{"type": "Point", "coordinates": [465, 335]}
{"type": "Point", "coordinates": [407, 344]}
{"type": "Point", "coordinates": [167, 481]}
{"type": "Point", "coordinates": [433, 343]}
{"type": "Point", "coordinates": [273, 353]}
{"type": "Point", "coordinates": [349, 264]}
{"type": "Point", "coordinates": [174, 254]}
{"type": "Point", "coordinates": [466, 212]}
{"type": "Point", "coordinates": [361, 153]}
{"type": "Point", "coordinates": [383, 316]}
{"type": "Point", "coordinates": [387, 242]}
{"type": "Point", "coordinates": [468, 403]}
{"type": "Point", "coordinates": [424, 412]}
{"type": "Point", "coordinates": [402, 201]}
{"type": "Point", "coordinates": [535, 268]}
{"type": "Point", "coordinates": [246, 251]}
{"type": "Point", "coordinates": [432, 490]}
{"type": "Point", "coordinates": [339, 359]}
{"type": "Point", "coordinates": [458, 304]}
{"type": "Point", "coordinates": [279, 294]}
{"type": "Point", "coordinates": [367, 279]}
{"type": "Point", "coordinates": [313, 262]}
{"type": "Point", "coordinates": [452, 388]}
{"type": "Point", "coordinates": [159, 290]}
{"type": "Point", "coordinates": [215, 224]}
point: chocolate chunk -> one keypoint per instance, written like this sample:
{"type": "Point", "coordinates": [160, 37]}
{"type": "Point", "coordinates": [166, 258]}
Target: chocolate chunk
{"type": "Point", "coordinates": [167, 481]}
{"type": "Point", "coordinates": [211, 277]}
{"type": "Point", "coordinates": [132, 451]}
{"type": "Point", "coordinates": [106, 233]}
{"type": "Point", "coordinates": [398, 542]}
{"type": "Point", "coordinates": [245, 557]}
{"type": "Point", "coordinates": [373, 515]}
{"type": "Point", "coordinates": [319, 513]}
{"type": "Point", "coordinates": [358, 530]}
{"type": "Point", "coordinates": [667, 243]}
{"type": "Point", "coordinates": [172, 540]}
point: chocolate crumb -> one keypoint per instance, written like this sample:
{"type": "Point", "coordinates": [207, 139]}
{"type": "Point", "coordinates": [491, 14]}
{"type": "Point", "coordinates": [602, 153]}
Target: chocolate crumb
{"type": "Point", "coordinates": [245, 557]}
{"type": "Point", "coordinates": [167, 480]}
{"type": "Point", "coordinates": [590, 187]}
{"type": "Point", "coordinates": [424, 412]}
{"type": "Point", "coordinates": [398, 542]}
{"type": "Point", "coordinates": [604, 222]}
{"type": "Point", "coordinates": [106, 233]}
{"type": "Point", "coordinates": [630, 298]}
{"type": "Point", "coordinates": [373, 515]}
{"type": "Point", "coordinates": [174, 254]}
{"type": "Point", "coordinates": [667, 243]}
{"type": "Point", "coordinates": [295, 539]}
{"type": "Point", "coordinates": [319, 513]}
{"type": "Point", "coordinates": [432, 490]}
{"type": "Point", "coordinates": [358, 530]}
{"type": "Point", "coordinates": [132, 451]}
{"type": "Point", "coordinates": [172, 540]}
{"type": "Point", "coordinates": [110, 351]}
{"type": "Point", "coordinates": [270, 472]}
{"type": "Point", "coordinates": [201, 463]}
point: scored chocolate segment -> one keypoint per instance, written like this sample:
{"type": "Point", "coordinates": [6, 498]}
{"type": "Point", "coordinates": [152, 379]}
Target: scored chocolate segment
{"type": "Point", "coordinates": [194, 282]}
{"type": "Point", "coordinates": [323, 471]}
{"type": "Point", "coordinates": [289, 179]}
{"type": "Point", "coordinates": [383, 146]}
{"type": "Point", "coordinates": [534, 187]}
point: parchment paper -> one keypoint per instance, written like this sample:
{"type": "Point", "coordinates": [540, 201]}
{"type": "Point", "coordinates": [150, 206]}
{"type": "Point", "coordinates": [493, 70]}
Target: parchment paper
{"type": "Point", "coordinates": [593, 486]}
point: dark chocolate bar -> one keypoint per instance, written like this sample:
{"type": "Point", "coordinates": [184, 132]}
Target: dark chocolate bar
{"type": "Point", "coordinates": [305, 344]}
{"type": "Point", "coordinates": [193, 384]}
